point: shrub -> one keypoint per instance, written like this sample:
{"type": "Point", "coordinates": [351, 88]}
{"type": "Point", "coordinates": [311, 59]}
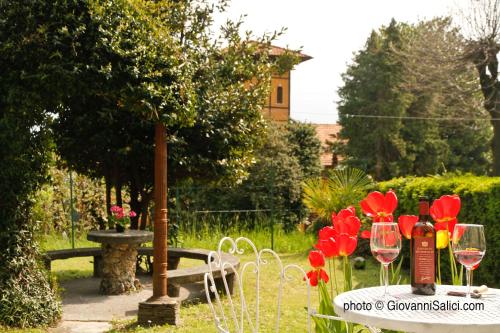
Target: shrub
{"type": "Point", "coordinates": [305, 145]}
{"type": "Point", "coordinates": [480, 197]}
{"type": "Point", "coordinates": [52, 210]}
{"type": "Point", "coordinates": [27, 297]}
{"type": "Point", "coordinates": [272, 190]}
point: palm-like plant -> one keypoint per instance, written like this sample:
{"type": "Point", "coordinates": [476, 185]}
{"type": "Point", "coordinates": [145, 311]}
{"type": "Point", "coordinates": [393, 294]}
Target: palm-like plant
{"type": "Point", "coordinates": [342, 188]}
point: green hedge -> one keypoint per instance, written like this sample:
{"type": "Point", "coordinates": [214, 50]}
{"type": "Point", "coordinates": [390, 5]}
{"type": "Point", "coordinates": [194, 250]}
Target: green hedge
{"type": "Point", "coordinates": [480, 196]}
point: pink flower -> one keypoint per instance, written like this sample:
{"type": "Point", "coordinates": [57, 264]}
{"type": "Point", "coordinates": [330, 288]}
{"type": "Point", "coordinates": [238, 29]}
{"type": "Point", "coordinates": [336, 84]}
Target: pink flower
{"type": "Point", "coordinates": [116, 209]}
{"type": "Point", "coordinates": [132, 214]}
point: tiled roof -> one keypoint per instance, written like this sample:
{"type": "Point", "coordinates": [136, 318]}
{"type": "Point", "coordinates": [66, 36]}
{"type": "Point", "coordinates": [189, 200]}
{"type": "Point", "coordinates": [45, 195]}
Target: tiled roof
{"type": "Point", "coordinates": [326, 133]}
{"type": "Point", "coordinates": [277, 51]}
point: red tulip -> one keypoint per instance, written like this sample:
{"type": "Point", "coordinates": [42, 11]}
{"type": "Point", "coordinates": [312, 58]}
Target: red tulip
{"type": "Point", "coordinates": [315, 275]}
{"type": "Point", "coordinates": [346, 244]}
{"type": "Point", "coordinates": [406, 223]}
{"type": "Point", "coordinates": [440, 226]}
{"type": "Point", "coordinates": [366, 234]}
{"type": "Point", "coordinates": [445, 210]}
{"type": "Point", "coordinates": [475, 266]}
{"type": "Point", "coordinates": [346, 222]}
{"type": "Point", "coordinates": [328, 247]}
{"type": "Point", "coordinates": [327, 232]}
{"type": "Point", "coordinates": [316, 259]}
{"type": "Point", "coordinates": [379, 207]}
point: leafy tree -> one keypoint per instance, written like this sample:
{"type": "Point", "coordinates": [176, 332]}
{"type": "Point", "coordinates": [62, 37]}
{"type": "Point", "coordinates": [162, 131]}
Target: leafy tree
{"type": "Point", "coordinates": [371, 86]}
{"type": "Point", "coordinates": [305, 146]}
{"type": "Point", "coordinates": [444, 86]}
{"type": "Point", "coordinates": [414, 72]}
{"type": "Point", "coordinates": [275, 180]}
{"type": "Point", "coordinates": [222, 134]}
{"type": "Point", "coordinates": [482, 29]}
{"type": "Point", "coordinates": [288, 155]}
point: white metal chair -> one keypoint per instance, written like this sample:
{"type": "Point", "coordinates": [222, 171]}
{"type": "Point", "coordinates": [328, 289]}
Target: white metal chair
{"type": "Point", "coordinates": [236, 320]}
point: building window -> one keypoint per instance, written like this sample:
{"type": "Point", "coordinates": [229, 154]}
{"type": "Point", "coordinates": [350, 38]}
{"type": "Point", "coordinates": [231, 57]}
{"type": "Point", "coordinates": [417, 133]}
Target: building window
{"type": "Point", "coordinates": [279, 95]}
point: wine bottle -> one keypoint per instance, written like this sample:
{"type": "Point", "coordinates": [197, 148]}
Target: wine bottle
{"type": "Point", "coordinates": [423, 253]}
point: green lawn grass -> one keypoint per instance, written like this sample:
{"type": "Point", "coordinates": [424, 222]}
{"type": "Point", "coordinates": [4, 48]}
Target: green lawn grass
{"type": "Point", "coordinates": [198, 318]}
{"type": "Point", "coordinates": [292, 247]}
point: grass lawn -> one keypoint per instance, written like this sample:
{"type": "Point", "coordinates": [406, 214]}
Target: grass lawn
{"type": "Point", "coordinates": [293, 248]}
{"type": "Point", "coordinates": [197, 318]}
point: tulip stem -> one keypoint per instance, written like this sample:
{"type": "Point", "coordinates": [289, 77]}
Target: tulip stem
{"type": "Point", "coordinates": [331, 277]}
{"type": "Point", "coordinates": [453, 266]}
{"type": "Point", "coordinates": [335, 275]}
{"type": "Point", "coordinates": [347, 274]}
{"type": "Point", "coordinates": [319, 292]}
{"type": "Point", "coordinates": [456, 279]}
{"type": "Point", "coordinates": [439, 266]}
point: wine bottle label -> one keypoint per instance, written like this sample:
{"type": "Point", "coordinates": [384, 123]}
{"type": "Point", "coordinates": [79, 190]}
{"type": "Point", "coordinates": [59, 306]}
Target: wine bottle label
{"type": "Point", "coordinates": [424, 260]}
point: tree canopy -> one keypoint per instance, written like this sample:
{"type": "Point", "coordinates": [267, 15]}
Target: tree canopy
{"type": "Point", "coordinates": [104, 132]}
{"type": "Point", "coordinates": [401, 115]}
{"type": "Point", "coordinates": [482, 30]}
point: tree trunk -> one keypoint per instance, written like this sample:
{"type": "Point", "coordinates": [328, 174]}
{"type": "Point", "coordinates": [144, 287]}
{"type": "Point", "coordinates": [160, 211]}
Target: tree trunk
{"type": "Point", "coordinates": [118, 191]}
{"type": "Point", "coordinates": [145, 200]}
{"type": "Point", "coordinates": [108, 198]}
{"type": "Point", "coordinates": [486, 62]}
{"type": "Point", "coordinates": [495, 146]}
{"type": "Point", "coordinates": [135, 205]}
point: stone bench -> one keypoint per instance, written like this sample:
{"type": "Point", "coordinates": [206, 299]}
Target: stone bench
{"type": "Point", "coordinates": [95, 252]}
{"type": "Point", "coordinates": [176, 277]}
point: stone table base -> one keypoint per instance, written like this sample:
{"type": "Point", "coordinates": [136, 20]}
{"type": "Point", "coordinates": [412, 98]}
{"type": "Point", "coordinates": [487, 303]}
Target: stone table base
{"type": "Point", "coordinates": [118, 269]}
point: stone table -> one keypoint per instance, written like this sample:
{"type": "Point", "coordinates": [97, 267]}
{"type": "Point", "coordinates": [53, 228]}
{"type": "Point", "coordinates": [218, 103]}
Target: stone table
{"type": "Point", "coordinates": [119, 257]}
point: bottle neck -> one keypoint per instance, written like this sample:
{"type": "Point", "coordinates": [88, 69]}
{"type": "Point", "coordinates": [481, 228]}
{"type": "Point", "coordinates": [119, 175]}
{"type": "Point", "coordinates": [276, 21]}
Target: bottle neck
{"type": "Point", "coordinates": [423, 208]}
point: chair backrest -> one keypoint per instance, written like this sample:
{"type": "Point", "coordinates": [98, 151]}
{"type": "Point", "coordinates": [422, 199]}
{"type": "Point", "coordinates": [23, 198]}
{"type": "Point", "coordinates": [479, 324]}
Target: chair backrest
{"type": "Point", "coordinates": [236, 315]}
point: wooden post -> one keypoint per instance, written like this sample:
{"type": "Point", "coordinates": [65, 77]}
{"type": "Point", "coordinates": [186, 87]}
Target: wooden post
{"type": "Point", "coordinates": [160, 309]}
{"type": "Point", "coordinates": [160, 214]}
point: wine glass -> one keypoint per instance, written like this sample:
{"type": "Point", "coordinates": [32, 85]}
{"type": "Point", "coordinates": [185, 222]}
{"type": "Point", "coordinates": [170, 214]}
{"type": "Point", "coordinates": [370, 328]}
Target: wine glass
{"type": "Point", "coordinates": [469, 246]}
{"type": "Point", "coordinates": [385, 244]}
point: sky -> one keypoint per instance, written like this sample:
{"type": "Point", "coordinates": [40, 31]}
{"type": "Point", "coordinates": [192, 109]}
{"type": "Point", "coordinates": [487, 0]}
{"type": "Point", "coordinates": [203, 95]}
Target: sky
{"type": "Point", "coordinates": [330, 31]}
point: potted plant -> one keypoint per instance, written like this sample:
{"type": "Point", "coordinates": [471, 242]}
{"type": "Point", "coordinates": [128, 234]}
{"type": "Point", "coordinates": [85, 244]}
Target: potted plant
{"type": "Point", "coordinates": [120, 218]}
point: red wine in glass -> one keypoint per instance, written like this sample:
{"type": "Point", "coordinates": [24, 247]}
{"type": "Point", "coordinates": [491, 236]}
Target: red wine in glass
{"type": "Point", "coordinates": [469, 258]}
{"type": "Point", "coordinates": [385, 244]}
{"type": "Point", "coordinates": [385, 256]}
{"type": "Point", "coordinates": [469, 247]}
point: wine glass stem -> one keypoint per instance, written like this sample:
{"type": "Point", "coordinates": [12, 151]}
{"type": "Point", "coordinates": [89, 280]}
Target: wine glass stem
{"type": "Point", "coordinates": [386, 278]}
{"type": "Point", "coordinates": [469, 271]}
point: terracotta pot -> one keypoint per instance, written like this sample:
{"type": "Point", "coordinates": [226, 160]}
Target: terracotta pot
{"type": "Point", "coordinates": [119, 228]}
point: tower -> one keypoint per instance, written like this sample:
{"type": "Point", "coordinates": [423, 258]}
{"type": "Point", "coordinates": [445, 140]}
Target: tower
{"type": "Point", "coordinates": [277, 107]}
